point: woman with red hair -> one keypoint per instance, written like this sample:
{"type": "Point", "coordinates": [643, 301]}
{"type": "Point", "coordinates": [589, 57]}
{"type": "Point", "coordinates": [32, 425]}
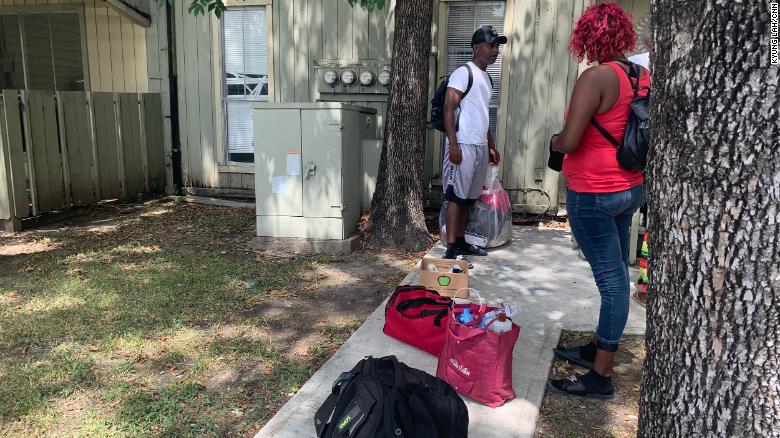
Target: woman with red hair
{"type": "Point", "coordinates": [602, 196]}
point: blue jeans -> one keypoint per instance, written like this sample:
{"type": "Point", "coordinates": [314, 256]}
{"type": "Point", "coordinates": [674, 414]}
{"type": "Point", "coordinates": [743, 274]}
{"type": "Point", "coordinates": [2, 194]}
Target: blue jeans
{"type": "Point", "coordinates": [600, 223]}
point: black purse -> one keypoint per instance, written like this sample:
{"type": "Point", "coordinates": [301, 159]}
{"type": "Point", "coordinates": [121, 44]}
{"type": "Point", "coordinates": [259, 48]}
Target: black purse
{"type": "Point", "coordinates": [555, 160]}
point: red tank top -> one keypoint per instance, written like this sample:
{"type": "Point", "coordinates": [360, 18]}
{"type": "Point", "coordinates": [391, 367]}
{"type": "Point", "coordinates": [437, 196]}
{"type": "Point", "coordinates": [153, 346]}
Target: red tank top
{"type": "Point", "coordinates": [593, 167]}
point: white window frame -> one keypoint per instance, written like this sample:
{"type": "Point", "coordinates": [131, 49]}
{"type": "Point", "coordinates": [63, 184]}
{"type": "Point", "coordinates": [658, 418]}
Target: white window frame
{"type": "Point", "coordinates": [224, 98]}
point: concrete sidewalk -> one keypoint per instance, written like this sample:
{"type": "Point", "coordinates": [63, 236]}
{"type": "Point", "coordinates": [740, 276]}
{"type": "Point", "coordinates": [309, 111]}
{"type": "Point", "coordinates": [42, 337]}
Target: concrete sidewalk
{"type": "Point", "coordinates": [540, 272]}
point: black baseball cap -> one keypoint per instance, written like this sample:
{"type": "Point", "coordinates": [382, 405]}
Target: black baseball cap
{"type": "Point", "coordinates": [486, 34]}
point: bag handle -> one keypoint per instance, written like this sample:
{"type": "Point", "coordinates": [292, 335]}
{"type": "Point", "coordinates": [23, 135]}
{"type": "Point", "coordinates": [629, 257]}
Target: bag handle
{"type": "Point", "coordinates": [419, 302]}
{"type": "Point", "coordinates": [403, 289]}
{"type": "Point", "coordinates": [482, 304]}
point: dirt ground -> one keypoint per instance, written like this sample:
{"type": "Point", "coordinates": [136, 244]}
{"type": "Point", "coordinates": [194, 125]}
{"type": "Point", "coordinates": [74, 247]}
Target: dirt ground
{"type": "Point", "coordinates": [576, 417]}
{"type": "Point", "coordinates": [156, 320]}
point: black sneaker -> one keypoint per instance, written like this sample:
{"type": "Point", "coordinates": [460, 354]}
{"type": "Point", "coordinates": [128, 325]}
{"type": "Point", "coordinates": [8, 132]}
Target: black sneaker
{"type": "Point", "coordinates": [472, 250]}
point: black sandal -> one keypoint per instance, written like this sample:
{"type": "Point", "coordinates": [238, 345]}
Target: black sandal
{"type": "Point", "coordinates": [573, 386]}
{"type": "Point", "coordinates": [573, 355]}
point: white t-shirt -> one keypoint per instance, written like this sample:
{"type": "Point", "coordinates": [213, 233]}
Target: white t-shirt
{"type": "Point", "coordinates": [474, 120]}
{"type": "Point", "coordinates": [642, 59]}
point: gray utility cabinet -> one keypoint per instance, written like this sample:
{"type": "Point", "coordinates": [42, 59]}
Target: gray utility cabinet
{"type": "Point", "coordinates": [308, 168]}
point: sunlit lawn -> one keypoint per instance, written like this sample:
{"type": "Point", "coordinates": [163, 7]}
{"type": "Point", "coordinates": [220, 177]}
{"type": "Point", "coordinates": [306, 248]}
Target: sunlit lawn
{"type": "Point", "coordinates": [137, 333]}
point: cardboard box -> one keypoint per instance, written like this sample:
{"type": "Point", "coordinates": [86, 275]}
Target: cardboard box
{"type": "Point", "coordinates": [442, 280]}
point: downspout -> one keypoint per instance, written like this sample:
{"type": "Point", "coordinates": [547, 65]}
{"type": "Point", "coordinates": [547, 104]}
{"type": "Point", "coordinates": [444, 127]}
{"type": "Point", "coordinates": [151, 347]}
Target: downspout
{"type": "Point", "coordinates": [178, 181]}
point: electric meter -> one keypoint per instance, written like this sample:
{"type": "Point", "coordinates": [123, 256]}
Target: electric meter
{"type": "Point", "coordinates": [348, 77]}
{"type": "Point", "coordinates": [366, 78]}
{"type": "Point", "coordinates": [331, 77]}
{"type": "Point", "coordinates": [384, 77]}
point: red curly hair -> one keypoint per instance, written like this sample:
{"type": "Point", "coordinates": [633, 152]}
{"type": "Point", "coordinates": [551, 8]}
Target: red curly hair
{"type": "Point", "coordinates": [603, 31]}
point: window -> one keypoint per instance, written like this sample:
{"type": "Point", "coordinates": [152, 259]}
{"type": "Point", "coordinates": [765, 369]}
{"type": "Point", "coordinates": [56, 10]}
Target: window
{"type": "Point", "coordinates": [463, 18]}
{"type": "Point", "coordinates": [42, 51]}
{"type": "Point", "coordinates": [245, 76]}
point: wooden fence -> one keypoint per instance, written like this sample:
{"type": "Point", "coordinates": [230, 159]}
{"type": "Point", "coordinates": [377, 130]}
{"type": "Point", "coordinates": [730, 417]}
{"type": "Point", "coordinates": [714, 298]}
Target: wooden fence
{"type": "Point", "coordinates": [69, 149]}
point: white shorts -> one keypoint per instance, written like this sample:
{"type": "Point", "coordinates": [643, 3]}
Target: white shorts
{"type": "Point", "coordinates": [463, 182]}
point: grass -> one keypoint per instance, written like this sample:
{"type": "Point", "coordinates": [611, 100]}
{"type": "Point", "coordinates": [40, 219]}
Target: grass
{"type": "Point", "coordinates": [144, 331]}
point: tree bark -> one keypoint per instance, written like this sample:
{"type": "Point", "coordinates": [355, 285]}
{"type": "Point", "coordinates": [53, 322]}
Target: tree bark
{"type": "Point", "coordinates": [396, 216]}
{"type": "Point", "coordinates": [713, 324]}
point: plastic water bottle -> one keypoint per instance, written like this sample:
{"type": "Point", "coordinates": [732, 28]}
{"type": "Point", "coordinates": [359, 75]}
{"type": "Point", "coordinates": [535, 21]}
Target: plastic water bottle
{"type": "Point", "coordinates": [486, 318]}
{"type": "Point", "coordinates": [503, 324]}
{"type": "Point", "coordinates": [509, 310]}
{"type": "Point", "coordinates": [466, 316]}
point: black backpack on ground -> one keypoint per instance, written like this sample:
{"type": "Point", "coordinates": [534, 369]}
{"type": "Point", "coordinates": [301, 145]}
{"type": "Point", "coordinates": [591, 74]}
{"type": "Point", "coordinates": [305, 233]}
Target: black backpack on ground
{"type": "Point", "coordinates": [384, 398]}
{"type": "Point", "coordinates": [632, 152]}
{"type": "Point", "coordinates": [437, 103]}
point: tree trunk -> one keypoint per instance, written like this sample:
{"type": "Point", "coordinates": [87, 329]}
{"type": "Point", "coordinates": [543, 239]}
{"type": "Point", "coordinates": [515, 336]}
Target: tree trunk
{"type": "Point", "coordinates": [713, 324]}
{"type": "Point", "coordinates": [396, 216]}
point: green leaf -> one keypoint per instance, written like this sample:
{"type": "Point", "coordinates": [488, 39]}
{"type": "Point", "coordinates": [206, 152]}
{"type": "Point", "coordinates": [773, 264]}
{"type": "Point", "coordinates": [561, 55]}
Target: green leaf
{"type": "Point", "coordinates": [195, 8]}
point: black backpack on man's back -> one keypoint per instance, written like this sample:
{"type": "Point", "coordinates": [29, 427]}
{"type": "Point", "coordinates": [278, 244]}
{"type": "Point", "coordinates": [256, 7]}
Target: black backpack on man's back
{"type": "Point", "coordinates": [437, 103]}
{"type": "Point", "coordinates": [384, 398]}
{"type": "Point", "coordinates": [632, 152]}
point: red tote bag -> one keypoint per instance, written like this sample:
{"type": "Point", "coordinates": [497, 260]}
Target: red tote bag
{"type": "Point", "coordinates": [417, 316]}
{"type": "Point", "coordinates": [475, 361]}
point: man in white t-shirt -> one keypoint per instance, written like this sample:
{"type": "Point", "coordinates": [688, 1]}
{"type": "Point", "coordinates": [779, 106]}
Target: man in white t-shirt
{"type": "Point", "coordinates": [469, 141]}
{"type": "Point", "coordinates": [643, 59]}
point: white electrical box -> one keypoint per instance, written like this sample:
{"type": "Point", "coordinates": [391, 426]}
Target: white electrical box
{"type": "Point", "coordinates": [309, 169]}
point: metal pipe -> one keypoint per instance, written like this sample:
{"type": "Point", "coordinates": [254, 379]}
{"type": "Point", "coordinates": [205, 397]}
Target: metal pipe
{"type": "Point", "coordinates": [178, 182]}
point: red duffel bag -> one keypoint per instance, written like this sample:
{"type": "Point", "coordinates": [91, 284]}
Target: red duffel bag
{"type": "Point", "coordinates": [417, 316]}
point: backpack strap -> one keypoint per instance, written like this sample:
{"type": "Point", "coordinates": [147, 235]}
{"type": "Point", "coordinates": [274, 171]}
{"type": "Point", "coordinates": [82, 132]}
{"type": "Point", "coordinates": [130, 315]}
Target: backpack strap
{"type": "Point", "coordinates": [604, 132]}
{"type": "Point", "coordinates": [634, 86]}
{"type": "Point", "coordinates": [471, 80]}
{"type": "Point", "coordinates": [324, 415]}
{"type": "Point", "coordinates": [632, 73]}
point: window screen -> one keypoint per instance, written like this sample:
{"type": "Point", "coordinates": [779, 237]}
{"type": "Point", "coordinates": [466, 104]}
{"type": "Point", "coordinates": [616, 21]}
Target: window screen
{"type": "Point", "coordinates": [245, 57]}
{"type": "Point", "coordinates": [463, 18]}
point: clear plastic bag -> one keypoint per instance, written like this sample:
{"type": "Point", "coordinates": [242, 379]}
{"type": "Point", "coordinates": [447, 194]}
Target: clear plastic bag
{"type": "Point", "coordinates": [490, 219]}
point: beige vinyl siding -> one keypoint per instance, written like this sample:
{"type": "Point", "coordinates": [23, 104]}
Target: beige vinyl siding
{"type": "Point", "coordinates": [303, 32]}
{"type": "Point", "coordinates": [537, 78]}
{"type": "Point", "coordinates": [639, 10]}
{"type": "Point", "coordinates": [115, 57]}
{"type": "Point", "coordinates": [157, 68]}
{"type": "Point", "coordinates": [116, 50]}
{"type": "Point", "coordinates": [197, 103]}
